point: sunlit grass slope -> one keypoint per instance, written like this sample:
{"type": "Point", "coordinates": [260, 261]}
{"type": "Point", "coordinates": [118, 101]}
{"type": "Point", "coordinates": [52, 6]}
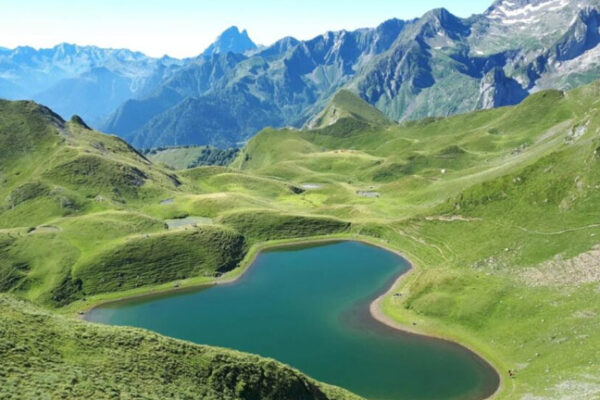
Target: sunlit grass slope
{"type": "Point", "coordinates": [500, 212]}
{"type": "Point", "coordinates": [83, 213]}
{"type": "Point", "coordinates": [190, 156]}
{"type": "Point", "coordinates": [346, 104]}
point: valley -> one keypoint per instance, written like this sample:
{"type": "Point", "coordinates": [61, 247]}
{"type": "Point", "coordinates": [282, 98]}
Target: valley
{"type": "Point", "coordinates": [476, 202]}
{"type": "Point", "coordinates": [406, 211]}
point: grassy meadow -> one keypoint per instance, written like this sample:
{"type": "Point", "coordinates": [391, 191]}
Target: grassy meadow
{"type": "Point", "coordinates": [499, 212]}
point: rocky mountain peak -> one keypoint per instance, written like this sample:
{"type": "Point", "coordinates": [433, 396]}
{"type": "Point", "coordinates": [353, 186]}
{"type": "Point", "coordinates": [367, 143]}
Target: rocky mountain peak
{"type": "Point", "coordinates": [231, 40]}
{"type": "Point", "coordinates": [441, 20]}
{"type": "Point", "coordinates": [497, 90]}
{"type": "Point", "coordinates": [583, 35]}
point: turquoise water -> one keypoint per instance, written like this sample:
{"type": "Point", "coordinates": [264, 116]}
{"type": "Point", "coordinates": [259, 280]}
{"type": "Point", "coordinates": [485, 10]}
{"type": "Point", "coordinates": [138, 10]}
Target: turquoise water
{"type": "Point", "coordinates": [308, 307]}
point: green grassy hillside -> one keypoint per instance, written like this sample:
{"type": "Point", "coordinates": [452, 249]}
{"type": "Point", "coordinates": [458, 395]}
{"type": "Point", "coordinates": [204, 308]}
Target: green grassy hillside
{"type": "Point", "coordinates": [265, 225]}
{"type": "Point", "coordinates": [497, 210]}
{"type": "Point", "coordinates": [346, 104]}
{"type": "Point", "coordinates": [158, 258]}
{"type": "Point", "coordinates": [83, 213]}
{"type": "Point", "coordinates": [190, 156]}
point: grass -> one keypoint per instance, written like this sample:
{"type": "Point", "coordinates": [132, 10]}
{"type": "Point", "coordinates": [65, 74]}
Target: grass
{"type": "Point", "coordinates": [190, 156]}
{"type": "Point", "coordinates": [261, 225]}
{"type": "Point", "coordinates": [157, 258]}
{"type": "Point", "coordinates": [478, 202]}
{"type": "Point", "coordinates": [348, 106]}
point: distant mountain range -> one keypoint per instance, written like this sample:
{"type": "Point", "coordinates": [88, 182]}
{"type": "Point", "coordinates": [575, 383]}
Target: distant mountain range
{"type": "Point", "coordinates": [93, 82]}
{"type": "Point", "coordinates": [436, 65]}
{"type": "Point", "coordinates": [84, 80]}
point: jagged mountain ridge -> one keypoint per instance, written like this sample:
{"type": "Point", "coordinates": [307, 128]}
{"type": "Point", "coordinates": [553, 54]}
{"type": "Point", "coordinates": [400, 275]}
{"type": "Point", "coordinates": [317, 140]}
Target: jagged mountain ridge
{"type": "Point", "coordinates": [91, 81]}
{"type": "Point", "coordinates": [436, 65]}
{"type": "Point", "coordinates": [85, 80]}
{"type": "Point", "coordinates": [283, 84]}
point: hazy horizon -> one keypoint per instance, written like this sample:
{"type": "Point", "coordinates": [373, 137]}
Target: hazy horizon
{"type": "Point", "coordinates": [183, 28]}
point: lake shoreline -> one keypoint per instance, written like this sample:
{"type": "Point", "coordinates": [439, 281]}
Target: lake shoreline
{"type": "Point", "coordinates": [374, 307]}
{"type": "Point", "coordinates": [376, 312]}
{"type": "Point", "coordinates": [237, 273]}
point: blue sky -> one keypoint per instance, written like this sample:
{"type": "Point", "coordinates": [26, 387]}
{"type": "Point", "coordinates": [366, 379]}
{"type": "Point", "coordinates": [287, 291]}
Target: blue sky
{"type": "Point", "coordinates": [184, 28]}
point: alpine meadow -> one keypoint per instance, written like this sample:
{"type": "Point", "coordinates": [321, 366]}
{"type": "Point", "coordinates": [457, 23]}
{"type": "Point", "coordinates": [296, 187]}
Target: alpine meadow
{"type": "Point", "coordinates": [410, 211]}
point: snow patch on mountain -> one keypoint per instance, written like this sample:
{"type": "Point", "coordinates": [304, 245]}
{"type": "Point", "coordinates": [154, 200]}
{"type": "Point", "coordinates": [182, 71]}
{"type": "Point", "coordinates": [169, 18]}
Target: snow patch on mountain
{"type": "Point", "coordinates": [510, 13]}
